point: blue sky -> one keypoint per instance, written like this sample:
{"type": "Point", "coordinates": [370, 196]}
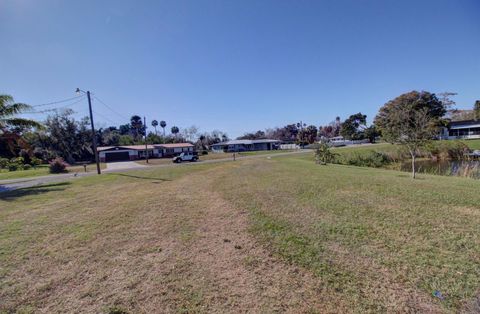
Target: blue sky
{"type": "Point", "coordinates": [238, 65]}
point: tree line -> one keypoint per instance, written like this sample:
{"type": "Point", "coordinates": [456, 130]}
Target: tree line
{"type": "Point", "coordinates": [63, 135]}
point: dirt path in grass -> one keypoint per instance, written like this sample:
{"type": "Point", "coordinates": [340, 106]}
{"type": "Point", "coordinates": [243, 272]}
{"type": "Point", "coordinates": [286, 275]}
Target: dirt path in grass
{"type": "Point", "coordinates": [242, 275]}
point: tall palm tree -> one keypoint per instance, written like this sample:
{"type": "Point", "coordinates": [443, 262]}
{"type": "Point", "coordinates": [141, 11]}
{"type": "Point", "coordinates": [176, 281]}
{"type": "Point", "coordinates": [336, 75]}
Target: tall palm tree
{"type": "Point", "coordinates": [8, 111]}
{"type": "Point", "coordinates": [8, 119]}
{"type": "Point", "coordinates": [163, 124]}
{"type": "Point", "coordinates": [155, 124]}
{"type": "Point", "coordinates": [137, 125]}
{"type": "Point", "coordinates": [175, 130]}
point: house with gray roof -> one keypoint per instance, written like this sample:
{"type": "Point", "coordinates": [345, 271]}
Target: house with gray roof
{"type": "Point", "coordinates": [245, 145]}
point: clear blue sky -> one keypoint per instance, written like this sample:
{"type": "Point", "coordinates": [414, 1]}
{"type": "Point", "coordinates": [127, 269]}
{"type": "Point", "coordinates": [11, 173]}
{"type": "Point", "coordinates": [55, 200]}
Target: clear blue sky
{"type": "Point", "coordinates": [238, 65]}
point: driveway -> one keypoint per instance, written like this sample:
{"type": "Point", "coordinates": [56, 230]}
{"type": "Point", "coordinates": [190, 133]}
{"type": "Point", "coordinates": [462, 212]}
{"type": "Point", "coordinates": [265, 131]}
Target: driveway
{"type": "Point", "coordinates": [123, 165]}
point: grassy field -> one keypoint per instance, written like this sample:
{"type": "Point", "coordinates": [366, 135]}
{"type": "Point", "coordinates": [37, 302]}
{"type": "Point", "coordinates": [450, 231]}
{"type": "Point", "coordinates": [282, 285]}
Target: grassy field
{"type": "Point", "coordinates": [214, 156]}
{"type": "Point", "coordinates": [42, 171]}
{"type": "Point", "coordinates": [258, 235]}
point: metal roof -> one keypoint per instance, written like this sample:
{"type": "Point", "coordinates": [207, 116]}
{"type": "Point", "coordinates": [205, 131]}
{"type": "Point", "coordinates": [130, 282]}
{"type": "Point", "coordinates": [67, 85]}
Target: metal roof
{"type": "Point", "coordinates": [246, 142]}
{"type": "Point", "coordinates": [142, 147]}
{"type": "Point", "coordinates": [465, 124]}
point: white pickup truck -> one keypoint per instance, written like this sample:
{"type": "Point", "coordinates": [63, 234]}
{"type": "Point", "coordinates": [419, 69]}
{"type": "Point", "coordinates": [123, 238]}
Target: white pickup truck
{"type": "Point", "coordinates": [185, 156]}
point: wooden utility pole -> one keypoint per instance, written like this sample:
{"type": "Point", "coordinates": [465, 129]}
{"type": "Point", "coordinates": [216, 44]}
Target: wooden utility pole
{"type": "Point", "coordinates": [146, 146]}
{"type": "Point", "coordinates": [94, 135]}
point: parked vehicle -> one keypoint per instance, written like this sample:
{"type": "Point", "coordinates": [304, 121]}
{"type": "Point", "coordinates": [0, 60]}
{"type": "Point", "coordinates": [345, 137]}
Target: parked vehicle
{"type": "Point", "coordinates": [186, 156]}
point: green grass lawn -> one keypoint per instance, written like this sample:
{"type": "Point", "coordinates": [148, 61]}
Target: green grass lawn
{"type": "Point", "coordinates": [258, 235]}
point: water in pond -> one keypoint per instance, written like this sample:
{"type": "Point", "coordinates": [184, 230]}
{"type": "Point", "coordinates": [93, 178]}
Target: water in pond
{"type": "Point", "coordinates": [469, 169]}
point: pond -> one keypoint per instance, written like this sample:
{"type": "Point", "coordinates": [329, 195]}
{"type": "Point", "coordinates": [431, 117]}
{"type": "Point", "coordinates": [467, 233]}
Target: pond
{"type": "Point", "coordinates": [470, 169]}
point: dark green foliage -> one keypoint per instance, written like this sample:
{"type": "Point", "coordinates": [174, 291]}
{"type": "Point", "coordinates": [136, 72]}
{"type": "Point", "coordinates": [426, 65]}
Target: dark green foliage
{"type": "Point", "coordinates": [175, 130]}
{"type": "Point", "coordinates": [3, 163]}
{"type": "Point", "coordinates": [58, 165]}
{"type": "Point", "coordinates": [307, 135]}
{"type": "Point", "coordinates": [371, 159]}
{"type": "Point", "coordinates": [371, 133]}
{"type": "Point", "coordinates": [351, 127]}
{"type": "Point", "coordinates": [476, 110]}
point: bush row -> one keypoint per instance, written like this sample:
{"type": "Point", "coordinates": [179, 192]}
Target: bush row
{"type": "Point", "coordinates": [18, 163]}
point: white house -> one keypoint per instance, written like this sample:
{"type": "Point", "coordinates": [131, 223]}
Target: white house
{"type": "Point", "coordinates": [245, 145]}
{"type": "Point", "coordinates": [466, 129]}
{"type": "Point", "coordinates": [133, 152]}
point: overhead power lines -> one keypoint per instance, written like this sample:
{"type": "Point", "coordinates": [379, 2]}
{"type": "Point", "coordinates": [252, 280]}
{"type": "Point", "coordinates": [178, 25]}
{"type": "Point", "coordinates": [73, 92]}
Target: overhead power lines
{"type": "Point", "coordinates": [110, 108]}
{"type": "Point", "coordinates": [78, 99]}
{"type": "Point", "coordinates": [58, 101]}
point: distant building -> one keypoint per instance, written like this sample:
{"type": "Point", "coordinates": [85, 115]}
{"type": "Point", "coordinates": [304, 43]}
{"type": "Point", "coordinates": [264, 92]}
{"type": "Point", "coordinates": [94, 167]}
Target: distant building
{"type": "Point", "coordinates": [134, 152]}
{"type": "Point", "coordinates": [245, 145]}
{"type": "Point", "coordinates": [466, 129]}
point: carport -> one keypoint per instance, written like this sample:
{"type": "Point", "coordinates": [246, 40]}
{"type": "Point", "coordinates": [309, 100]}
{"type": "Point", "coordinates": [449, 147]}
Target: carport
{"type": "Point", "coordinates": [116, 156]}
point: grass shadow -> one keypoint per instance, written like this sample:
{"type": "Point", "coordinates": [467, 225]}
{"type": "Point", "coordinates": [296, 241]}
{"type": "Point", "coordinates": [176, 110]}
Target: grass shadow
{"type": "Point", "coordinates": [139, 177]}
{"type": "Point", "coordinates": [11, 195]}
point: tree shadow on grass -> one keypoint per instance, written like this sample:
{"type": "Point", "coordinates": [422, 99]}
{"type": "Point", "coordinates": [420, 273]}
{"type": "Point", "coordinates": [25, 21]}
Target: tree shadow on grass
{"type": "Point", "coordinates": [11, 195]}
{"type": "Point", "coordinates": [140, 177]}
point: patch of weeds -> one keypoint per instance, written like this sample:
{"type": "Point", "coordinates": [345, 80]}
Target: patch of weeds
{"type": "Point", "coordinates": [251, 262]}
{"type": "Point", "coordinates": [116, 309]}
{"type": "Point", "coordinates": [191, 301]}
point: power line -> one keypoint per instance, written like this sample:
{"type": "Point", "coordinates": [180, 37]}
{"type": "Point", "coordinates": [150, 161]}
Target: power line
{"type": "Point", "coordinates": [58, 101]}
{"type": "Point", "coordinates": [108, 119]}
{"type": "Point", "coordinates": [79, 99]}
{"type": "Point", "coordinates": [111, 109]}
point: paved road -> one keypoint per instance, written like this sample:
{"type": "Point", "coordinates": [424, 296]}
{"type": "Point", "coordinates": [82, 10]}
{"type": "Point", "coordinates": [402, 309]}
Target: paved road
{"type": "Point", "coordinates": [123, 165]}
{"type": "Point", "coordinates": [13, 184]}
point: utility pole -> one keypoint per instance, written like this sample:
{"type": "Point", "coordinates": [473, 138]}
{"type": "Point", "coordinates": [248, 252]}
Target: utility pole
{"type": "Point", "coordinates": [93, 133]}
{"type": "Point", "coordinates": [146, 146]}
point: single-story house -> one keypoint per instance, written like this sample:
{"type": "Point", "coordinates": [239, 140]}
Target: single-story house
{"type": "Point", "coordinates": [466, 129]}
{"type": "Point", "coordinates": [245, 145]}
{"type": "Point", "coordinates": [133, 152]}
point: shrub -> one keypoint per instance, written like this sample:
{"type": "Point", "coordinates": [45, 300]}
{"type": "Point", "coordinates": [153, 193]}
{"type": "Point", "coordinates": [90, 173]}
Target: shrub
{"type": "Point", "coordinates": [323, 155]}
{"type": "Point", "coordinates": [370, 159]}
{"type": "Point", "coordinates": [447, 150]}
{"type": "Point", "coordinates": [3, 163]}
{"type": "Point", "coordinates": [27, 167]}
{"type": "Point", "coordinates": [13, 166]}
{"type": "Point", "coordinates": [35, 161]}
{"type": "Point", "coordinates": [58, 165]}
{"type": "Point", "coordinates": [204, 152]}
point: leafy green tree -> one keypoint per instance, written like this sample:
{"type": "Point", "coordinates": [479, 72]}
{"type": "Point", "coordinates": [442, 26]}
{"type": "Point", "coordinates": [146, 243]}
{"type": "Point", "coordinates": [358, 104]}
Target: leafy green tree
{"type": "Point", "coordinates": [352, 128]}
{"type": "Point", "coordinates": [64, 137]}
{"type": "Point", "coordinates": [308, 135]}
{"type": "Point", "coordinates": [124, 129]}
{"type": "Point", "coordinates": [476, 109]}
{"type": "Point", "coordinates": [371, 133]}
{"type": "Point", "coordinates": [411, 120]}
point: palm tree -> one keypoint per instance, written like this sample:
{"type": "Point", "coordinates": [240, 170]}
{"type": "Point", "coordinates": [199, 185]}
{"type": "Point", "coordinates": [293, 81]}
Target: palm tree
{"type": "Point", "coordinates": [8, 111]}
{"type": "Point", "coordinates": [137, 125]}
{"type": "Point", "coordinates": [175, 130]}
{"type": "Point", "coordinates": [155, 124]}
{"type": "Point", "coordinates": [163, 124]}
